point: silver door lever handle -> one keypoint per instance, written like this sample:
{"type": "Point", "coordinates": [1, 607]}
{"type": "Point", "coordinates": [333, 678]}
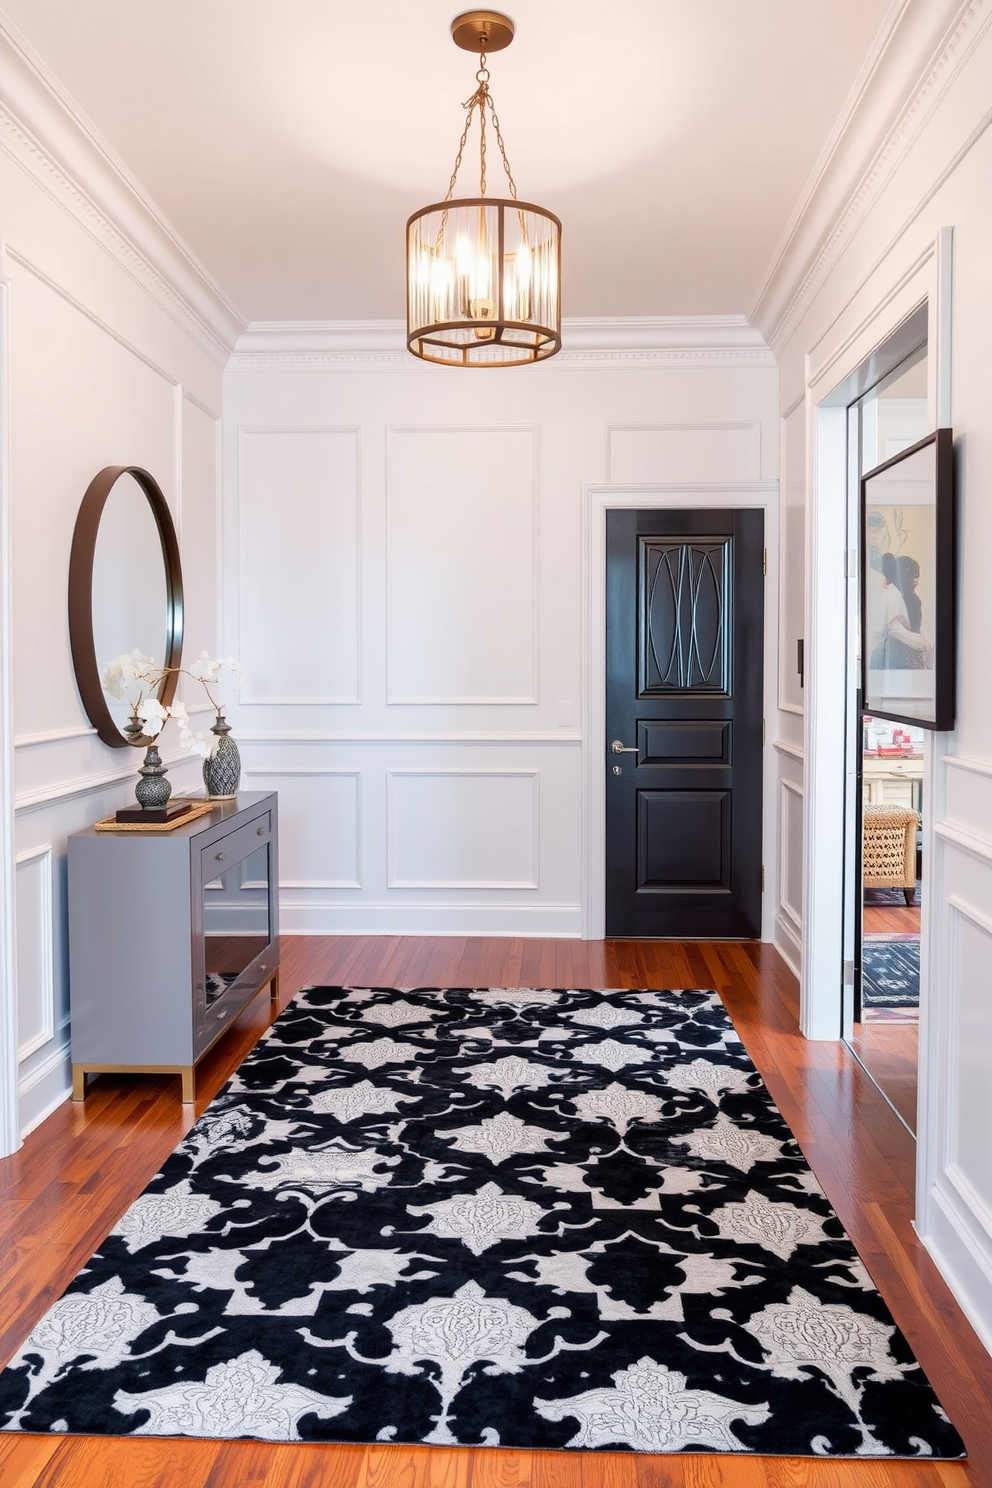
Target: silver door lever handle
{"type": "Point", "coordinates": [619, 747]}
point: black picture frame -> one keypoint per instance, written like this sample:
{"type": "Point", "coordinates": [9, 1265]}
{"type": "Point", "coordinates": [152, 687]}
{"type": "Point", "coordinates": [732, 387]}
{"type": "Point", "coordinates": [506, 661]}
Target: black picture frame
{"type": "Point", "coordinates": [908, 600]}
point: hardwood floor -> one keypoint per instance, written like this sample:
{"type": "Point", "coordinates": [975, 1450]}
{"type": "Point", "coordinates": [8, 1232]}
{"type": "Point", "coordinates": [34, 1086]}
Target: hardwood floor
{"type": "Point", "coordinates": [73, 1178]}
{"type": "Point", "coordinates": [890, 1054]}
{"type": "Point", "coordinates": [891, 919]}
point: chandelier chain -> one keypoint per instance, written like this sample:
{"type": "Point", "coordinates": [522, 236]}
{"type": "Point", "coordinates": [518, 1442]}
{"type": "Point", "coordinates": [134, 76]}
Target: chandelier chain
{"type": "Point", "coordinates": [481, 99]}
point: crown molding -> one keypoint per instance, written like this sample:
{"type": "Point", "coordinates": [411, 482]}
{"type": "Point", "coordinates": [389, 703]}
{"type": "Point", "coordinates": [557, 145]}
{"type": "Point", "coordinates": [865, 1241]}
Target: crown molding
{"type": "Point", "coordinates": [43, 130]}
{"type": "Point", "coordinates": [919, 52]}
{"type": "Point", "coordinates": [629, 342]}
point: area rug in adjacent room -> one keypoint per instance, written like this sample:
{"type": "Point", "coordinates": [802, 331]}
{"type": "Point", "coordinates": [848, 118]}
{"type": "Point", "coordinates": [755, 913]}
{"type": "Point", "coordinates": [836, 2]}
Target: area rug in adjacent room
{"type": "Point", "coordinates": [890, 973]}
{"type": "Point", "coordinates": [517, 1217]}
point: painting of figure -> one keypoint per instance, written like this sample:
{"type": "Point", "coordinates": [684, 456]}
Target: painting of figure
{"type": "Point", "coordinates": [901, 629]}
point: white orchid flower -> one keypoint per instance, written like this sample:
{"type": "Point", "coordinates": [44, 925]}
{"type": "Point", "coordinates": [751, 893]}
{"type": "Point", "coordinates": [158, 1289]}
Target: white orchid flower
{"type": "Point", "coordinates": [194, 743]}
{"type": "Point", "coordinates": [137, 667]}
{"type": "Point", "coordinates": [204, 669]}
{"type": "Point", "coordinates": [179, 713]}
{"type": "Point", "coordinates": [130, 667]}
{"type": "Point", "coordinates": [152, 715]}
{"type": "Point", "coordinates": [112, 678]}
{"type": "Point", "coordinates": [236, 670]}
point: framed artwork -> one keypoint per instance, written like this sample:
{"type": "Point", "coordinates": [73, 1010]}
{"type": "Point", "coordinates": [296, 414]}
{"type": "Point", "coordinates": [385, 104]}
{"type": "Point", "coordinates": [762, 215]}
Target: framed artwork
{"type": "Point", "coordinates": [907, 585]}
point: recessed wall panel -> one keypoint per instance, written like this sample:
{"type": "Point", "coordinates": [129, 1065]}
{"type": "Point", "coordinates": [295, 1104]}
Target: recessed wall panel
{"type": "Point", "coordinates": [684, 454]}
{"type": "Point", "coordinates": [791, 851]}
{"type": "Point", "coordinates": [35, 967]}
{"type": "Point", "coordinates": [461, 566]}
{"type": "Point", "coordinates": [199, 536]}
{"type": "Point", "coordinates": [970, 1049]}
{"type": "Point", "coordinates": [299, 550]}
{"type": "Point", "coordinates": [463, 829]}
{"type": "Point", "coordinates": [320, 825]}
{"type": "Point", "coordinates": [80, 400]}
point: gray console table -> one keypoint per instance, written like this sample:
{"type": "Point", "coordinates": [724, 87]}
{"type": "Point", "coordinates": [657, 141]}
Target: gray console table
{"type": "Point", "coordinates": [170, 934]}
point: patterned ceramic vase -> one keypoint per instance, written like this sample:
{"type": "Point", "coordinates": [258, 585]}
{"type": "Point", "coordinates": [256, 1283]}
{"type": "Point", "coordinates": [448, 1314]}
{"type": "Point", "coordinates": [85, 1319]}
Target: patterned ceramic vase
{"type": "Point", "coordinates": [152, 790]}
{"type": "Point", "coordinates": [222, 771]}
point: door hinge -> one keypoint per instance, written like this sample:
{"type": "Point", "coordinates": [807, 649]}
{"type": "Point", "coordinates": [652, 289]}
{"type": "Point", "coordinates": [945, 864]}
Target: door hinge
{"type": "Point", "coordinates": [762, 878]}
{"type": "Point", "coordinates": [848, 973]}
{"type": "Point", "coordinates": [764, 561]}
{"type": "Point", "coordinates": [762, 731]}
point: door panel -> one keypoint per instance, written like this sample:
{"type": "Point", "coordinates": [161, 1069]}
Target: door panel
{"type": "Point", "coordinates": [685, 595]}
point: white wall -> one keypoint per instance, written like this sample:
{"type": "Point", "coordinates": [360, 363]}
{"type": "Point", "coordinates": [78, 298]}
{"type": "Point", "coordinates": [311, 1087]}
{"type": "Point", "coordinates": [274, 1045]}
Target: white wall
{"type": "Point", "coordinates": [407, 580]}
{"type": "Point", "coordinates": [106, 360]}
{"type": "Point", "coordinates": [868, 250]}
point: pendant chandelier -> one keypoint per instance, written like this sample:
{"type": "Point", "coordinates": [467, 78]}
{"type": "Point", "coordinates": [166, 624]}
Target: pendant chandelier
{"type": "Point", "coordinates": [483, 272]}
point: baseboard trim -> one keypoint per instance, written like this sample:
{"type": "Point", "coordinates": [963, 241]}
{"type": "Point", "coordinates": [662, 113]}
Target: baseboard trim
{"type": "Point", "coordinates": [961, 1261]}
{"type": "Point", "coordinates": [787, 943]}
{"type": "Point", "coordinates": [431, 919]}
{"type": "Point", "coordinates": [44, 1089]}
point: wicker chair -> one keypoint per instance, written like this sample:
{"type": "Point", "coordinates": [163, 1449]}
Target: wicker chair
{"type": "Point", "coordinates": [889, 849]}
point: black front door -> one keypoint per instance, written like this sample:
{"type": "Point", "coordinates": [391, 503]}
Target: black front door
{"type": "Point", "coordinates": [684, 628]}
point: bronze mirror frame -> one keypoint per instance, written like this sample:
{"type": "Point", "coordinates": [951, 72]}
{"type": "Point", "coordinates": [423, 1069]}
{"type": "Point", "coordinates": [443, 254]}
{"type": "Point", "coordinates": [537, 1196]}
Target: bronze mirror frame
{"type": "Point", "coordinates": [81, 558]}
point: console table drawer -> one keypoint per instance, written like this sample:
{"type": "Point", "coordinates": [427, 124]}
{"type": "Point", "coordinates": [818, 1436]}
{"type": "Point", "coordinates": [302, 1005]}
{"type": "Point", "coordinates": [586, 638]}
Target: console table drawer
{"type": "Point", "coordinates": [218, 857]}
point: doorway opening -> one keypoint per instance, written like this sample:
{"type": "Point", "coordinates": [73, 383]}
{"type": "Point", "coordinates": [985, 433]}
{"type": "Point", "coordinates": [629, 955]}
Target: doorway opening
{"type": "Point", "coordinates": [884, 856]}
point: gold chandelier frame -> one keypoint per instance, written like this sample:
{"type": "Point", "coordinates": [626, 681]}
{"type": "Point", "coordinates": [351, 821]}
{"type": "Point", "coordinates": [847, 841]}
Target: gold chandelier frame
{"type": "Point", "coordinates": [483, 272]}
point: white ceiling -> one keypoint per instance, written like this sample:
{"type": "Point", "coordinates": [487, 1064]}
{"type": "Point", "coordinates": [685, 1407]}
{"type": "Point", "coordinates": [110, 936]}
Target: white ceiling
{"type": "Point", "coordinates": [287, 141]}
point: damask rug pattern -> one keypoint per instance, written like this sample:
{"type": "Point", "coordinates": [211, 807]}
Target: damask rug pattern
{"type": "Point", "coordinates": [524, 1217]}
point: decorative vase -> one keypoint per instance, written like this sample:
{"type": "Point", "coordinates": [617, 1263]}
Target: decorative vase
{"type": "Point", "coordinates": [222, 769]}
{"type": "Point", "coordinates": [152, 790]}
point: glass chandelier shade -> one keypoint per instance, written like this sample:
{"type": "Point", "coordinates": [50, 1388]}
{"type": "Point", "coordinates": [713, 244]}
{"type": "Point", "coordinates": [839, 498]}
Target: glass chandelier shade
{"type": "Point", "coordinates": [482, 286]}
{"type": "Point", "coordinates": [483, 273]}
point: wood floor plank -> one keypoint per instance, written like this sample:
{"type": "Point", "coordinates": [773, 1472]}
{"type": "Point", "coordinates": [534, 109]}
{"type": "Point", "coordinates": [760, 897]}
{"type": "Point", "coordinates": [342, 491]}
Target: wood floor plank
{"type": "Point", "coordinates": [78, 1172]}
{"type": "Point", "coordinates": [24, 1458]}
{"type": "Point", "coordinates": [103, 1462]}
{"type": "Point", "coordinates": [414, 1467]}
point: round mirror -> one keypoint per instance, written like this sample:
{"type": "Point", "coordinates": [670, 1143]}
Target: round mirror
{"type": "Point", "coordinates": [125, 589]}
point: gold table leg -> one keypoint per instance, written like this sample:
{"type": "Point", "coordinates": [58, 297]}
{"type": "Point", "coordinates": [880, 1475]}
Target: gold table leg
{"type": "Point", "coordinates": [78, 1083]}
{"type": "Point", "coordinates": [188, 1074]}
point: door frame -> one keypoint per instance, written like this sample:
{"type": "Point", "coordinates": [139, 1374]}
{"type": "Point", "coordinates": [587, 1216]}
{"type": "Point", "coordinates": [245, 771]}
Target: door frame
{"type": "Point", "coordinates": [833, 365]}
{"type": "Point", "coordinates": [596, 501]}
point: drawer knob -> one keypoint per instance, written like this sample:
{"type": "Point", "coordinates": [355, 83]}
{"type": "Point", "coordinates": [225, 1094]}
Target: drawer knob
{"type": "Point", "coordinates": [261, 831]}
{"type": "Point", "coordinates": [219, 857]}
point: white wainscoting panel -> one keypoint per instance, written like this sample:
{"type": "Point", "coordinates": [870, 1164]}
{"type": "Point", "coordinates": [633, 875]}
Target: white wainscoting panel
{"type": "Point", "coordinates": [683, 454]}
{"type": "Point", "coordinates": [199, 536]}
{"type": "Point", "coordinates": [969, 1039]}
{"type": "Point", "coordinates": [461, 553]}
{"type": "Point", "coordinates": [320, 824]}
{"type": "Point", "coordinates": [299, 560]}
{"type": "Point", "coordinates": [111, 401]}
{"type": "Point", "coordinates": [969, 800]}
{"type": "Point", "coordinates": [34, 888]}
{"type": "Point", "coordinates": [463, 829]}
{"type": "Point", "coordinates": [789, 893]}
{"type": "Point", "coordinates": [791, 849]}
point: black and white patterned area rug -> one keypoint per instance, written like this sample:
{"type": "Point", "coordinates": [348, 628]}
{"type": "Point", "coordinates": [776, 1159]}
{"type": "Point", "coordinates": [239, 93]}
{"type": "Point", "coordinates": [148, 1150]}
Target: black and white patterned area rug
{"type": "Point", "coordinates": [527, 1218]}
{"type": "Point", "coordinates": [890, 974]}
